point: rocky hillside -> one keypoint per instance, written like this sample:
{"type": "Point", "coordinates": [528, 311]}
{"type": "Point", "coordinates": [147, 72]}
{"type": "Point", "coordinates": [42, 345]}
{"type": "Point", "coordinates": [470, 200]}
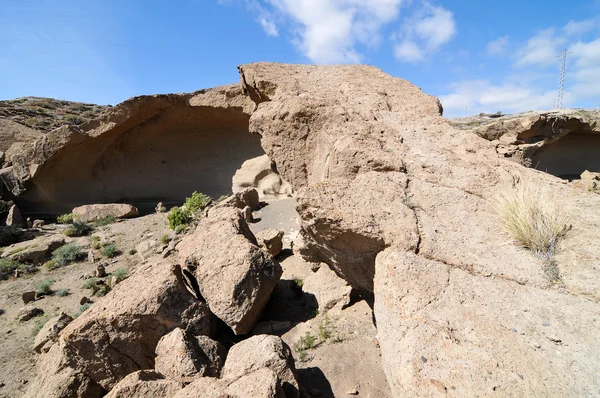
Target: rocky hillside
{"type": "Point", "coordinates": [420, 259]}
{"type": "Point", "coordinates": [46, 114]}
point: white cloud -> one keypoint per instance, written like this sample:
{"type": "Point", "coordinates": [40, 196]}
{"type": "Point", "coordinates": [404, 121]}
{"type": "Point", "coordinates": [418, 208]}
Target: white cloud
{"type": "Point", "coordinates": [575, 28]}
{"type": "Point", "coordinates": [425, 33]}
{"type": "Point", "coordinates": [327, 31]}
{"type": "Point", "coordinates": [409, 52]}
{"type": "Point", "coordinates": [541, 49]}
{"type": "Point", "coordinates": [269, 26]}
{"type": "Point", "coordinates": [498, 46]}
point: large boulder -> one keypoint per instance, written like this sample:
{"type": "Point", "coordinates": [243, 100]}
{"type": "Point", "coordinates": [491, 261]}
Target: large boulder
{"type": "Point", "coordinates": [180, 354]}
{"type": "Point", "coordinates": [262, 351]}
{"type": "Point", "coordinates": [14, 217]}
{"type": "Point", "coordinates": [118, 335]}
{"type": "Point", "coordinates": [34, 251]}
{"type": "Point", "coordinates": [234, 275]}
{"type": "Point", "coordinates": [89, 213]}
{"type": "Point", "coordinates": [260, 173]}
{"type": "Point", "coordinates": [145, 383]}
{"type": "Point", "coordinates": [48, 334]}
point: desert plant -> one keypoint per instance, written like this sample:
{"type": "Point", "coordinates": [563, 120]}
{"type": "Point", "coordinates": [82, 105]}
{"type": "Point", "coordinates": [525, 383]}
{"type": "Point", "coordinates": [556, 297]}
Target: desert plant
{"type": "Point", "coordinates": [197, 202]}
{"type": "Point", "coordinates": [533, 219]}
{"type": "Point", "coordinates": [65, 218]}
{"type": "Point", "coordinates": [177, 217]}
{"type": "Point", "coordinates": [110, 250]}
{"type": "Point", "coordinates": [101, 222]}
{"type": "Point", "coordinates": [120, 274]}
{"type": "Point", "coordinates": [181, 228]}
{"type": "Point", "coordinates": [62, 292]}
{"type": "Point", "coordinates": [306, 342]}
{"type": "Point", "coordinates": [67, 254]}
{"type": "Point", "coordinates": [325, 328]}
{"type": "Point", "coordinates": [82, 308]}
{"type": "Point", "coordinates": [7, 267]}
{"type": "Point", "coordinates": [165, 239]}
{"type": "Point", "coordinates": [95, 242]}
{"type": "Point", "coordinates": [50, 265]}
{"type": "Point", "coordinates": [78, 228]}
{"type": "Point", "coordinates": [44, 287]}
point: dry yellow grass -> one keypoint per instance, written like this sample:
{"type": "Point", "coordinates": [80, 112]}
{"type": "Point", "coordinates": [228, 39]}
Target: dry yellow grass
{"type": "Point", "coordinates": [533, 218]}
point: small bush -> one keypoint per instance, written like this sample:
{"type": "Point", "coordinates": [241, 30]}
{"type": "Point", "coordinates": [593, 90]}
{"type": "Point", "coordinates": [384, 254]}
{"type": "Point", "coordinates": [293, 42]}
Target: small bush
{"type": "Point", "coordinates": [165, 239]}
{"type": "Point", "coordinates": [66, 218]}
{"type": "Point", "coordinates": [78, 228]}
{"type": "Point", "coordinates": [110, 250]}
{"type": "Point", "coordinates": [306, 342]}
{"type": "Point", "coordinates": [101, 222]}
{"type": "Point", "coordinates": [97, 286]}
{"type": "Point", "coordinates": [62, 292]}
{"type": "Point", "coordinates": [90, 283]}
{"type": "Point", "coordinates": [325, 328]}
{"type": "Point", "coordinates": [7, 267]}
{"type": "Point", "coordinates": [121, 274]}
{"type": "Point", "coordinates": [533, 219]}
{"type": "Point", "coordinates": [44, 287]}
{"type": "Point", "coordinates": [181, 228]}
{"type": "Point", "coordinates": [68, 254]}
{"type": "Point", "coordinates": [95, 242]}
{"type": "Point", "coordinates": [197, 202]}
{"type": "Point", "coordinates": [82, 308]}
{"type": "Point", "coordinates": [50, 265]}
{"type": "Point", "coordinates": [177, 217]}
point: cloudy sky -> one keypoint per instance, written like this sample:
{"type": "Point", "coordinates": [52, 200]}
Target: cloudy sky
{"type": "Point", "coordinates": [476, 56]}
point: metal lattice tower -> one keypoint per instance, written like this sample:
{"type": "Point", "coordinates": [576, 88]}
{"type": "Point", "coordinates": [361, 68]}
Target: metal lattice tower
{"type": "Point", "coordinates": [561, 81]}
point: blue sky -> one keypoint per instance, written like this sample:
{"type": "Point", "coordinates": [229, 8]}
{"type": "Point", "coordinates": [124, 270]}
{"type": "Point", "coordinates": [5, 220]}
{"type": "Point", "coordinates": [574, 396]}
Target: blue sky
{"type": "Point", "coordinates": [474, 55]}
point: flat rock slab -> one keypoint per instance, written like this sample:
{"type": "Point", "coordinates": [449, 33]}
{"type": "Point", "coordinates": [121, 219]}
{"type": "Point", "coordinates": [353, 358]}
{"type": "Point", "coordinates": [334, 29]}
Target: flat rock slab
{"type": "Point", "coordinates": [88, 213]}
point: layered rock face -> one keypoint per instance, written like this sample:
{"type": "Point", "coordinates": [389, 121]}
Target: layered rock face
{"type": "Point", "coordinates": [145, 150]}
{"type": "Point", "coordinates": [403, 207]}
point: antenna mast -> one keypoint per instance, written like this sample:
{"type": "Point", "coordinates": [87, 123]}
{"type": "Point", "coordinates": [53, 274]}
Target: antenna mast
{"type": "Point", "coordinates": [561, 81]}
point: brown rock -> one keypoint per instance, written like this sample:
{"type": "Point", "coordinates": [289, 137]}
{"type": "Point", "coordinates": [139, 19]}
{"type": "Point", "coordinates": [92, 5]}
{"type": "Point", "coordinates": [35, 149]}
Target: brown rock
{"type": "Point", "coordinates": [38, 224]}
{"type": "Point", "coordinates": [205, 387]}
{"type": "Point", "coordinates": [262, 383]}
{"type": "Point", "coordinates": [179, 354]}
{"type": "Point", "coordinates": [328, 288]}
{"type": "Point", "coordinates": [259, 352]}
{"type": "Point", "coordinates": [260, 173]}
{"type": "Point", "coordinates": [28, 297]}
{"type": "Point", "coordinates": [100, 271]}
{"type": "Point", "coordinates": [84, 300]}
{"type": "Point", "coordinates": [14, 217]}
{"type": "Point", "coordinates": [271, 240]}
{"type": "Point", "coordinates": [118, 335]}
{"type": "Point", "coordinates": [48, 334]}
{"type": "Point", "coordinates": [28, 312]}
{"type": "Point", "coordinates": [145, 383]}
{"type": "Point", "coordinates": [247, 214]}
{"type": "Point", "coordinates": [234, 275]}
{"type": "Point", "coordinates": [88, 213]}
{"type": "Point", "coordinates": [35, 251]}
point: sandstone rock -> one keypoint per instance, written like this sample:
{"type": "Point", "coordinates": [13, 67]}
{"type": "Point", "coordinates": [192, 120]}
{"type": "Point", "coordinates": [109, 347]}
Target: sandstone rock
{"type": "Point", "coordinates": [88, 213]}
{"type": "Point", "coordinates": [28, 297]}
{"type": "Point", "coordinates": [38, 224]}
{"type": "Point", "coordinates": [14, 217]}
{"type": "Point", "coordinates": [34, 251]}
{"type": "Point", "coordinates": [234, 275]}
{"type": "Point", "coordinates": [179, 354]}
{"type": "Point", "coordinates": [260, 173]}
{"type": "Point", "coordinates": [205, 387]}
{"type": "Point", "coordinates": [147, 248]}
{"type": "Point", "coordinates": [271, 240]}
{"type": "Point", "coordinates": [28, 312]}
{"type": "Point", "coordinates": [145, 383]}
{"type": "Point", "coordinates": [48, 334]}
{"type": "Point", "coordinates": [328, 288]}
{"type": "Point", "coordinates": [248, 197]}
{"type": "Point", "coordinates": [259, 352]}
{"type": "Point", "coordinates": [262, 383]}
{"type": "Point", "coordinates": [57, 378]}
{"type": "Point", "coordinates": [118, 334]}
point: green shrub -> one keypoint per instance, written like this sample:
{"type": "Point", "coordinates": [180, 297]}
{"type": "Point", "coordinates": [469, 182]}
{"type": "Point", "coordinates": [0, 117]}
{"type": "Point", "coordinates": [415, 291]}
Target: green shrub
{"type": "Point", "coordinates": [78, 228]}
{"type": "Point", "coordinates": [66, 218]}
{"type": "Point", "coordinates": [97, 286]}
{"type": "Point", "coordinates": [91, 283]}
{"type": "Point", "coordinates": [82, 308]}
{"type": "Point", "coordinates": [96, 242]}
{"type": "Point", "coordinates": [101, 222]}
{"type": "Point", "coordinates": [181, 228]}
{"type": "Point", "coordinates": [177, 216]}
{"type": "Point", "coordinates": [68, 254]}
{"type": "Point", "coordinates": [7, 267]}
{"type": "Point", "coordinates": [196, 203]}
{"type": "Point", "coordinates": [62, 292]}
{"type": "Point", "coordinates": [165, 239]}
{"type": "Point", "coordinates": [50, 265]}
{"type": "Point", "coordinates": [44, 287]}
{"type": "Point", "coordinates": [110, 250]}
{"type": "Point", "coordinates": [121, 274]}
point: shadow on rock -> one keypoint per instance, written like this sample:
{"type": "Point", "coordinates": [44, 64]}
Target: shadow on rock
{"type": "Point", "coordinates": [313, 381]}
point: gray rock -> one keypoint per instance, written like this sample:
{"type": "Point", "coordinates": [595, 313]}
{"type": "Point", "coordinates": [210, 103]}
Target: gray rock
{"type": "Point", "coordinates": [14, 217]}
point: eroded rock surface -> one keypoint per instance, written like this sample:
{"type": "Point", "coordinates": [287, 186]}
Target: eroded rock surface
{"type": "Point", "coordinates": [88, 213]}
{"type": "Point", "coordinates": [260, 173]}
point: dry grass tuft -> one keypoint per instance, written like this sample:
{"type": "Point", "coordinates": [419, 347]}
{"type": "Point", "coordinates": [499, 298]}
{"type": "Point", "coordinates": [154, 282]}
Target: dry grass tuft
{"type": "Point", "coordinates": [533, 219]}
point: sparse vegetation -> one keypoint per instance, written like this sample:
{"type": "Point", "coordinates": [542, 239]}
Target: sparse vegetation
{"type": "Point", "coordinates": [197, 202]}
{"type": "Point", "coordinates": [165, 239]}
{"type": "Point", "coordinates": [39, 324]}
{"type": "Point", "coordinates": [44, 287]}
{"type": "Point", "coordinates": [78, 228]}
{"type": "Point", "coordinates": [305, 343]}
{"type": "Point", "coordinates": [298, 283]}
{"type": "Point", "coordinates": [67, 254]}
{"type": "Point", "coordinates": [325, 328]}
{"type": "Point", "coordinates": [121, 274]}
{"type": "Point", "coordinates": [7, 267]}
{"type": "Point", "coordinates": [182, 216]}
{"type": "Point", "coordinates": [110, 250]}
{"type": "Point", "coordinates": [66, 218]}
{"type": "Point", "coordinates": [96, 242]}
{"type": "Point", "coordinates": [177, 217]}
{"type": "Point", "coordinates": [50, 265]}
{"type": "Point", "coordinates": [82, 308]}
{"type": "Point", "coordinates": [181, 228]}
{"type": "Point", "coordinates": [101, 222]}
{"type": "Point", "coordinates": [535, 221]}
{"type": "Point", "coordinates": [62, 292]}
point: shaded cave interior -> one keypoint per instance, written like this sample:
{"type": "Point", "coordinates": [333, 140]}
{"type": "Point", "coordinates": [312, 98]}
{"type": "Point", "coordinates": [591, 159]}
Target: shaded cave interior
{"type": "Point", "coordinates": [161, 159]}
